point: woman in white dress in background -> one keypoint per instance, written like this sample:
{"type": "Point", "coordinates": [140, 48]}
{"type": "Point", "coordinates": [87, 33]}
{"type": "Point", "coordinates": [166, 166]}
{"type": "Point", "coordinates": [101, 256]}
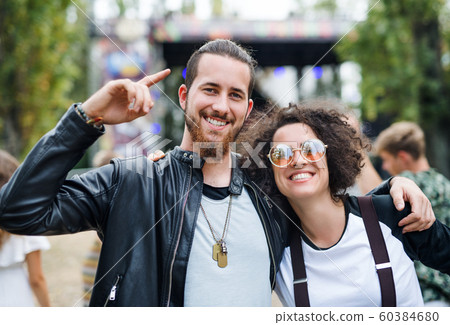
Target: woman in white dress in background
{"type": "Point", "coordinates": [19, 254]}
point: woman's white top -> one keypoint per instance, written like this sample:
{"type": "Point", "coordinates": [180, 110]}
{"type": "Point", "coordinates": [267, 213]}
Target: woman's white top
{"type": "Point", "coordinates": [345, 274]}
{"type": "Point", "coordinates": [15, 288]}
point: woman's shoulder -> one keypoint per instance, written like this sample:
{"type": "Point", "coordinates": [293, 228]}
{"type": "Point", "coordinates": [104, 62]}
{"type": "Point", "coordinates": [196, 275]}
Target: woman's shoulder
{"type": "Point", "coordinates": [384, 207]}
{"type": "Point", "coordinates": [15, 248]}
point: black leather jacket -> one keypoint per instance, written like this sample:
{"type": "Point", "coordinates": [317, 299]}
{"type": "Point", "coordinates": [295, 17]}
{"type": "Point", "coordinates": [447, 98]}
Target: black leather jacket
{"type": "Point", "coordinates": [144, 212]}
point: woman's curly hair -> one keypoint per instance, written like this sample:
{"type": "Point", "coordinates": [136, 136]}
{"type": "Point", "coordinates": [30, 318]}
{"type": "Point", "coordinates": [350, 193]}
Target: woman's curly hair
{"type": "Point", "coordinates": [330, 124]}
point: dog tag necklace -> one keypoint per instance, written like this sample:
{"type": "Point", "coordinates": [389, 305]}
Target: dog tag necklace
{"type": "Point", "coordinates": [219, 249]}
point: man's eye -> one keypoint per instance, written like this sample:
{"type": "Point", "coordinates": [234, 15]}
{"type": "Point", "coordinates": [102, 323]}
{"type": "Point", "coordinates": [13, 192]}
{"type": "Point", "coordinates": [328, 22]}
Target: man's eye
{"type": "Point", "coordinates": [236, 95]}
{"type": "Point", "coordinates": [209, 90]}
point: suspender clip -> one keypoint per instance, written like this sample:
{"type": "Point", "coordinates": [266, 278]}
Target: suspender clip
{"type": "Point", "coordinates": [383, 265]}
{"type": "Point", "coordinates": [304, 280]}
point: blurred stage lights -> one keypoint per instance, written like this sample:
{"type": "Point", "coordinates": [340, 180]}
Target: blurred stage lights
{"type": "Point", "coordinates": [155, 128]}
{"type": "Point", "coordinates": [318, 72]}
{"type": "Point", "coordinates": [279, 72]}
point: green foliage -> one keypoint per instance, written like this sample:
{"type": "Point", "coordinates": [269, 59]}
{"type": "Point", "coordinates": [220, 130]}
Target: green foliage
{"type": "Point", "coordinates": [399, 64]}
{"type": "Point", "coordinates": [124, 5]}
{"type": "Point", "coordinates": [188, 7]}
{"type": "Point", "coordinates": [327, 5]}
{"type": "Point", "coordinates": [402, 48]}
{"type": "Point", "coordinates": [40, 57]}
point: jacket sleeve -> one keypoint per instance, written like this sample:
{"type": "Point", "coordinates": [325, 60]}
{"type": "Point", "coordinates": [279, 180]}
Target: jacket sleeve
{"type": "Point", "coordinates": [381, 189]}
{"type": "Point", "coordinates": [431, 246]}
{"type": "Point", "coordinates": [39, 200]}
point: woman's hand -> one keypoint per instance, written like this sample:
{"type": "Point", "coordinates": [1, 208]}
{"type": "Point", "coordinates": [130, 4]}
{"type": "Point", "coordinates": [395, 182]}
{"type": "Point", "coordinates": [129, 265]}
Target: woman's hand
{"type": "Point", "coordinates": [157, 155]}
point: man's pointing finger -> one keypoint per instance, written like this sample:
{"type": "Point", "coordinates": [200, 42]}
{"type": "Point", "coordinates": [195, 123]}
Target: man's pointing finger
{"type": "Point", "coordinates": [154, 78]}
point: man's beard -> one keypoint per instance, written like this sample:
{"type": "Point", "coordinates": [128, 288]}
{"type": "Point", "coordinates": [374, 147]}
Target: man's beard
{"type": "Point", "coordinates": [194, 127]}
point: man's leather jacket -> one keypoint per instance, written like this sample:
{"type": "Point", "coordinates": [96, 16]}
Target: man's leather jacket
{"type": "Point", "coordinates": [144, 212]}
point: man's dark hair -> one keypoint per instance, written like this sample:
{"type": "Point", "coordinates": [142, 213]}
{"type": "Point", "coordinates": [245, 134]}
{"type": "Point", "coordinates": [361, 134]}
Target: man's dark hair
{"type": "Point", "coordinates": [344, 152]}
{"type": "Point", "coordinates": [225, 48]}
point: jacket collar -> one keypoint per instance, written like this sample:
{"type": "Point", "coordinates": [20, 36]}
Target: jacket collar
{"type": "Point", "coordinates": [188, 157]}
{"type": "Point", "coordinates": [192, 158]}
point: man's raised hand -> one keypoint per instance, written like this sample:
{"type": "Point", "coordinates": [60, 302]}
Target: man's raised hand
{"type": "Point", "coordinates": [123, 100]}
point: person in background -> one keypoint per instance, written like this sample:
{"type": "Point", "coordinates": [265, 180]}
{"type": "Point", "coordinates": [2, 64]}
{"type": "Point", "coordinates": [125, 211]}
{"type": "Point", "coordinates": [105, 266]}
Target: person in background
{"type": "Point", "coordinates": [16, 252]}
{"type": "Point", "coordinates": [402, 150]}
{"type": "Point", "coordinates": [90, 263]}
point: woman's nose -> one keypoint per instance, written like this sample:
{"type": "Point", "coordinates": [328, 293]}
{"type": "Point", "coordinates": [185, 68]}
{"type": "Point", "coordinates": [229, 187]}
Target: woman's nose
{"type": "Point", "coordinates": [297, 160]}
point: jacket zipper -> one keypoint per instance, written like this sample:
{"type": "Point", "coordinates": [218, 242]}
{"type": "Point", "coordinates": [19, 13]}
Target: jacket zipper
{"type": "Point", "coordinates": [113, 292]}
{"type": "Point", "coordinates": [178, 239]}
{"type": "Point", "coordinates": [271, 206]}
{"type": "Point", "coordinates": [267, 235]}
{"type": "Point", "coordinates": [268, 201]}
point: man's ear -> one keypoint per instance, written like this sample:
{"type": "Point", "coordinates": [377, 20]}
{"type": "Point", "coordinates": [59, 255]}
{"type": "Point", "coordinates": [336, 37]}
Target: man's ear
{"type": "Point", "coordinates": [405, 159]}
{"type": "Point", "coordinates": [250, 107]}
{"type": "Point", "coordinates": [182, 96]}
{"type": "Point", "coordinates": [404, 156]}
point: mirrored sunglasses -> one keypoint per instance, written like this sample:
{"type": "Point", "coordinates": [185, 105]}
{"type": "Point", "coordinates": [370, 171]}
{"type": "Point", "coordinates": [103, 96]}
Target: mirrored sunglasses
{"type": "Point", "coordinates": [312, 150]}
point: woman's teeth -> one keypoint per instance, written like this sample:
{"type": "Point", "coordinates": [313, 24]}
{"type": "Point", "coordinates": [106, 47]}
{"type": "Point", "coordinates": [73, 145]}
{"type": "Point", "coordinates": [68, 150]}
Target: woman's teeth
{"type": "Point", "coordinates": [301, 176]}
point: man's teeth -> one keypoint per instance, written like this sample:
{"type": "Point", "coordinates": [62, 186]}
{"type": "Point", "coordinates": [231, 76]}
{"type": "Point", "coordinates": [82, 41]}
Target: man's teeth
{"type": "Point", "coordinates": [215, 122]}
{"type": "Point", "coordinates": [301, 176]}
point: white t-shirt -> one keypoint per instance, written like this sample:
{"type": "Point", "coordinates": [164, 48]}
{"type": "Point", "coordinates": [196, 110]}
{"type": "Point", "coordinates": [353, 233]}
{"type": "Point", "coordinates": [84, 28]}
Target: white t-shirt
{"type": "Point", "coordinates": [15, 289]}
{"type": "Point", "coordinates": [345, 275]}
{"type": "Point", "coordinates": [245, 281]}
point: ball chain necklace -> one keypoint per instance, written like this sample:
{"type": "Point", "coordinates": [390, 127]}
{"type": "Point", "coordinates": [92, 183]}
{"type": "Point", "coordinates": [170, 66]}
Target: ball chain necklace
{"type": "Point", "coordinates": [219, 249]}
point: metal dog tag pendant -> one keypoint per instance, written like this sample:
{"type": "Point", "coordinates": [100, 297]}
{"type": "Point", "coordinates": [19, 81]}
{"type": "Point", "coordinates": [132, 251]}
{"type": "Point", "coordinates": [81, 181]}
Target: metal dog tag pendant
{"type": "Point", "coordinates": [222, 259]}
{"type": "Point", "coordinates": [216, 249]}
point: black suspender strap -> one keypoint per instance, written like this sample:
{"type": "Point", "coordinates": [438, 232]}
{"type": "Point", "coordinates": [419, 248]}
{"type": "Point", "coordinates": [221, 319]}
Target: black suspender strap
{"type": "Point", "coordinates": [379, 251]}
{"type": "Point", "coordinates": [298, 267]}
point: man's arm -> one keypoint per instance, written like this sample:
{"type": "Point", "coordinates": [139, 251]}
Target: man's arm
{"type": "Point", "coordinates": [404, 190]}
{"type": "Point", "coordinates": [369, 178]}
{"type": "Point", "coordinates": [401, 190]}
{"type": "Point", "coordinates": [38, 199]}
{"type": "Point", "coordinates": [431, 247]}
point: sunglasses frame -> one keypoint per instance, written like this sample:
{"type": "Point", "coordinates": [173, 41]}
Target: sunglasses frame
{"type": "Point", "coordinates": [298, 149]}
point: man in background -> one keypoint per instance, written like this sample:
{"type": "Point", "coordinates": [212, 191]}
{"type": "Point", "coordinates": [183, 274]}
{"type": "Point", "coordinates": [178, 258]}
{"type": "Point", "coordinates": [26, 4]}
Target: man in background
{"type": "Point", "coordinates": [402, 150]}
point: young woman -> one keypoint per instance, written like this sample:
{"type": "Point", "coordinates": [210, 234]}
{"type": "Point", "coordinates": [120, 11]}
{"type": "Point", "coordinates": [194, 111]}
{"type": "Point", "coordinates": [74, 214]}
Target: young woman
{"type": "Point", "coordinates": [16, 284]}
{"type": "Point", "coordinates": [314, 155]}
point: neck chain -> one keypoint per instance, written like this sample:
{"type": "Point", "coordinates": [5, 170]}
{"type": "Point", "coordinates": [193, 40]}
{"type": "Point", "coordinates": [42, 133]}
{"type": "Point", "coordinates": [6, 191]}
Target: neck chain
{"type": "Point", "coordinates": [220, 251]}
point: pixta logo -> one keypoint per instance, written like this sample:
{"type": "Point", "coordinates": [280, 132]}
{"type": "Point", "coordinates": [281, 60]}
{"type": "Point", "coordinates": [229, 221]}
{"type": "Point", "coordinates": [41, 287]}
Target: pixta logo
{"type": "Point", "coordinates": [146, 142]}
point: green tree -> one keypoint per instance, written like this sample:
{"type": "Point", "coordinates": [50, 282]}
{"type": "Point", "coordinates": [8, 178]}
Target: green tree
{"type": "Point", "coordinates": [400, 49]}
{"type": "Point", "coordinates": [42, 56]}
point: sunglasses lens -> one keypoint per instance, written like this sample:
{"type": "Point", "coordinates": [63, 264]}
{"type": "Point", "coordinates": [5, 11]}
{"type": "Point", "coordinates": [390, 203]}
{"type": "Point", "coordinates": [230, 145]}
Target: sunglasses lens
{"type": "Point", "coordinates": [313, 150]}
{"type": "Point", "coordinates": [280, 155]}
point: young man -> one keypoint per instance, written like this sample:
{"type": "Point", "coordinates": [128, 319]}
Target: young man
{"type": "Point", "coordinates": [402, 149]}
{"type": "Point", "coordinates": [184, 231]}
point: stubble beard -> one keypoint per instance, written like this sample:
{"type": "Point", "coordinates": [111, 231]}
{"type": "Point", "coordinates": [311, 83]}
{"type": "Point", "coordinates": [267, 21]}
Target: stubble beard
{"type": "Point", "coordinates": [197, 133]}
